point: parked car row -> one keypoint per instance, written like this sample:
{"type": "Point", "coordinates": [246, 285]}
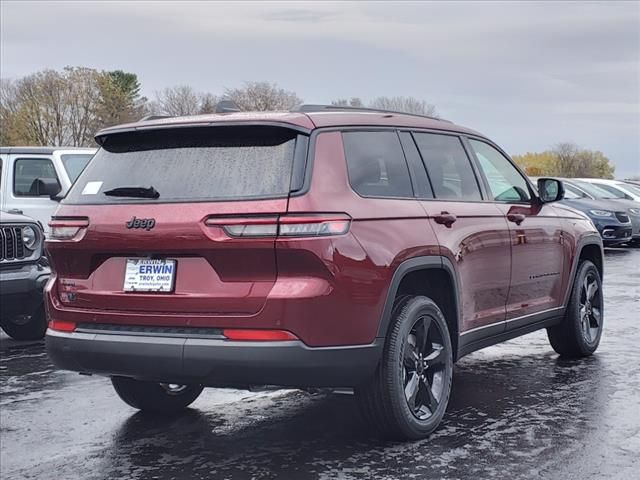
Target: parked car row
{"type": "Point", "coordinates": [613, 206]}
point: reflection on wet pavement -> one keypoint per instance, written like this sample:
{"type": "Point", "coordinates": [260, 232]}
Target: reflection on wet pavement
{"type": "Point", "coordinates": [517, 411]}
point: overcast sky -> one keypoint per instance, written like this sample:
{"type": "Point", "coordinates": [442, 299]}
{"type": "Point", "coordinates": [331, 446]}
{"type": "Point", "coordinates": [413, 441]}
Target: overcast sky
{"type": "Point", "coordinates": [529, 75]}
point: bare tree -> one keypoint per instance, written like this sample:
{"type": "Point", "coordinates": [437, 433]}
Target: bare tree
{"type": "Point", "coordinates": [262, 96]}
{"type": "Point", "coordinates": [9, 107]}
{"type": "Point", "coordinates": [567, 159]}
{"type": "Point", "coordinates": [207, 103]}
{"type": "Point", "coordinates": [82, 100]}
{"type": "Point", "coordinates": [404, 104]}
{"type": "Point", "coordinates": [573, 161]}
{"type": "Point", "coordinates": [176, 101]}
{"type": "Point", "coordinates": [182, 100]}
{"type": "Point", "coordinates": [43, 109]}
{"type": "Point", "coordinates": [352, 102]}
{"type": "Point", "coordinates": [51, 108]}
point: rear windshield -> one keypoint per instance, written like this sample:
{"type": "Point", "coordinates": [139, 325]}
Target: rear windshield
{"type": "Point", "coordinates": [74, 163]}
{"type": "Point", "coordinates": [191, 164]}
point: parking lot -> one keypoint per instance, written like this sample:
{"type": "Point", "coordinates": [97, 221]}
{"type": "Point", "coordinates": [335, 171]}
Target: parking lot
{"type": "Point", "coordinates": [517, 411]}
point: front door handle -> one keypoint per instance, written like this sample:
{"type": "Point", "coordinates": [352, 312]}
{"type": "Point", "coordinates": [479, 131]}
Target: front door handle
{"type": "Point", "coordinates": [445, 218]}
{"type": "Point", "coordinates": [16, 211]}
{"type": "Point", "coordinates": [516, 218]}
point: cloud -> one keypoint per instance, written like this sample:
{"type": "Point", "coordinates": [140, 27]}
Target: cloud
{"type": "Point", "coordinates": [532, 74]}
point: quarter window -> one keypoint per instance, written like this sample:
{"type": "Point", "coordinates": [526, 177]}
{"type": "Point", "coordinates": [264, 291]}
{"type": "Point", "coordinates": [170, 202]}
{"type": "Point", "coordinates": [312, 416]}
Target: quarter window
{"type": "Point", "coordinates": [505, 182]}
{"type": "Point", "coordinates": [27, 171]}
{"type": "Point", "coordinates": [449, 168]}
{"type": "Point", "coordinates": [376, 164]}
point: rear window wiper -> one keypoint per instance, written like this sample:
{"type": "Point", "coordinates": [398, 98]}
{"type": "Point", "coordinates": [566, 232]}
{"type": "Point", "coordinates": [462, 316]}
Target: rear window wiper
{"type": "Point", "coordinates": [136, 192]}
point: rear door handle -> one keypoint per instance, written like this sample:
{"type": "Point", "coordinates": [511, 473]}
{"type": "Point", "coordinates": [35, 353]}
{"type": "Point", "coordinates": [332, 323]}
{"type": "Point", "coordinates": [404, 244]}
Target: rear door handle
{"type": "Point", "coordinates": [445, 218]}
{"type": "Point", "coordinates": [16, 211]}
{"type": "Point", "coordinates": [516, 218]}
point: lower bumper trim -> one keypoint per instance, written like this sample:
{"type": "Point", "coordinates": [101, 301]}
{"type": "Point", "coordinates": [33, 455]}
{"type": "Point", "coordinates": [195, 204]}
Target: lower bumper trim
{"type": "Point", "coordinates": [213, 362]}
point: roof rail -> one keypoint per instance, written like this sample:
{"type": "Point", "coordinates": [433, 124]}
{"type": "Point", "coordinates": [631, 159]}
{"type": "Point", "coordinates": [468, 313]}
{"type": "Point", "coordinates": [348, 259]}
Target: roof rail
{"type": "Point", "coordinates": [337, 108]}
{"type": "Point", "coordinates": [154, 117]}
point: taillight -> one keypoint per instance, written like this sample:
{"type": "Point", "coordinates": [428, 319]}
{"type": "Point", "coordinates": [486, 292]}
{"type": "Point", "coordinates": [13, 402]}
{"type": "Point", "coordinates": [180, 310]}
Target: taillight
{"type": "Point", "coordinates": [316, 225]}
{"type": "Point", "coordinates": [246, 226]}
{"type": "Point", "coordinates": [62, 325]}
{"type": "Point", "coordinates": [67, 228]}
{"type": "Point", "coordinates": [249, 335]}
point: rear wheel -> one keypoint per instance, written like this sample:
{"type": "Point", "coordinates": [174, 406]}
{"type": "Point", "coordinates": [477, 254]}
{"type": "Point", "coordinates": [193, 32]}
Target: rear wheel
{"type": "Point", "coordinates": [155, 397]}
{"type": "Point", "coordinates": [579, 333]}
{"type": "Point", "coordinates": [408, 396]}
{"type": "Point", "coordinates": [26, 327]}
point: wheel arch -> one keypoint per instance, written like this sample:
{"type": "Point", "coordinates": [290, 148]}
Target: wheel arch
{"type": "Point", "coordinates": [588, 248]}
{"type": "Point", "coordinates": [431, 276]}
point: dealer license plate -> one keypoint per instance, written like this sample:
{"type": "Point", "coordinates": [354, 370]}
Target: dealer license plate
{"type": "Point", "coordinates": [147, 275]}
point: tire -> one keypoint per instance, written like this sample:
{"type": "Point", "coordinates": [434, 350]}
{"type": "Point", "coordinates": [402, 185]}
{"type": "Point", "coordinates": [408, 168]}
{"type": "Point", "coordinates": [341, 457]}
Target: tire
{"type": "Point", "coordinates": [581, 329]}
{"type": "Point", "coordinates": [27, 327]}
{"type": "Point", "coordinates": [408, 396]}
{"type": "Point", "coordinates": [155, 397]}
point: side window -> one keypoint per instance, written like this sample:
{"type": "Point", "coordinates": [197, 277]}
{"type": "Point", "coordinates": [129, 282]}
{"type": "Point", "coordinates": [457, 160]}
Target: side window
{"type": "Point", "coordinates": [376, 164]}
{"type": "Point", "coordinates": [505, 182]}
{"type": "Point", "coordinates": [27, 170]}
{"type": "Point", "coordinates": [421, 184]}
{"type": "Point", "coordinates": [449, 168]}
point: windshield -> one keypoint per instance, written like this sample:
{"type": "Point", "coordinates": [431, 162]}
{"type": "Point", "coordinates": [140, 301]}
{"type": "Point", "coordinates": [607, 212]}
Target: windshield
{"type": "Point", "coordinates": [614, 192]}
{"type": "Point", "coordinates": [189, 164]}
{"type": "Point", "coordinates": [74, 163]}
{"type": "Point", "coordinates": [594, 190]}
{"type": "Point", "coordinates": [635, 189]}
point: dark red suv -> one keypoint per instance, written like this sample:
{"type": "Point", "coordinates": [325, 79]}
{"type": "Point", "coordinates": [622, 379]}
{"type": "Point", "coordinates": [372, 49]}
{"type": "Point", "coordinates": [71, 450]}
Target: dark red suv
{"type": "Point", "coordinates": [325, 247]}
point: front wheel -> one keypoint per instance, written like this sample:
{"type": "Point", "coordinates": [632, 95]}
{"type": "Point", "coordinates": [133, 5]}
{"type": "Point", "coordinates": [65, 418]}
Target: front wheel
{"type": "Point", "coordinates": [409, 393]}
{"type": "Point", "coordinates": [579, 333]}
{"type": "Point", "coordinates": [27, 327]}
{"type": "Point", "coordinates": [155, 397]}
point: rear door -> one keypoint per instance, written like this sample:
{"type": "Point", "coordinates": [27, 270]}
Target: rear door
{"type": "Point", "coordinates": [537, 239]}
{"type": "Point", "coordinates": [472, 232]}
{"type": "Point", "coordinates": [211, 182]}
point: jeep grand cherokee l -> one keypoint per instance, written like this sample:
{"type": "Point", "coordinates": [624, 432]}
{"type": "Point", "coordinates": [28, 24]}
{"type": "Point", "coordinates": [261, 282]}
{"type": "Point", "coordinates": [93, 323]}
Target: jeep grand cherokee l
{"type": "Point", "coordinates": [325, 247]}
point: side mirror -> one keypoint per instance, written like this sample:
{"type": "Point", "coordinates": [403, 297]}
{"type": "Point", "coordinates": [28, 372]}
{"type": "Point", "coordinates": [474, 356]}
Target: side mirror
{"type": "Point", "coordinates": [45, 187]}
{"type": "Point", "coordinates": [550, 190]}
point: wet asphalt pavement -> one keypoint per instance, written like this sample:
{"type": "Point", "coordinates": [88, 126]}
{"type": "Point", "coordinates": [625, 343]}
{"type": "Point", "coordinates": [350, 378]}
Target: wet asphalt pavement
{"type": "Point", "coordinates": [517, 411]}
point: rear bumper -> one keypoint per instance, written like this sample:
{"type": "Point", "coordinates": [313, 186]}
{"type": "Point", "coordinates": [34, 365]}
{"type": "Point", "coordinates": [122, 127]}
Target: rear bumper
{"type": "Point", "coordinates": [21, 289]}
{"type": "Point", "coordinates": [213, 362]}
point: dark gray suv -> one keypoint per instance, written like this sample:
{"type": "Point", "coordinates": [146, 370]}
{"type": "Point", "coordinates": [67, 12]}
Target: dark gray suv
{"type": "Point", "coordinates": [23, 273]}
